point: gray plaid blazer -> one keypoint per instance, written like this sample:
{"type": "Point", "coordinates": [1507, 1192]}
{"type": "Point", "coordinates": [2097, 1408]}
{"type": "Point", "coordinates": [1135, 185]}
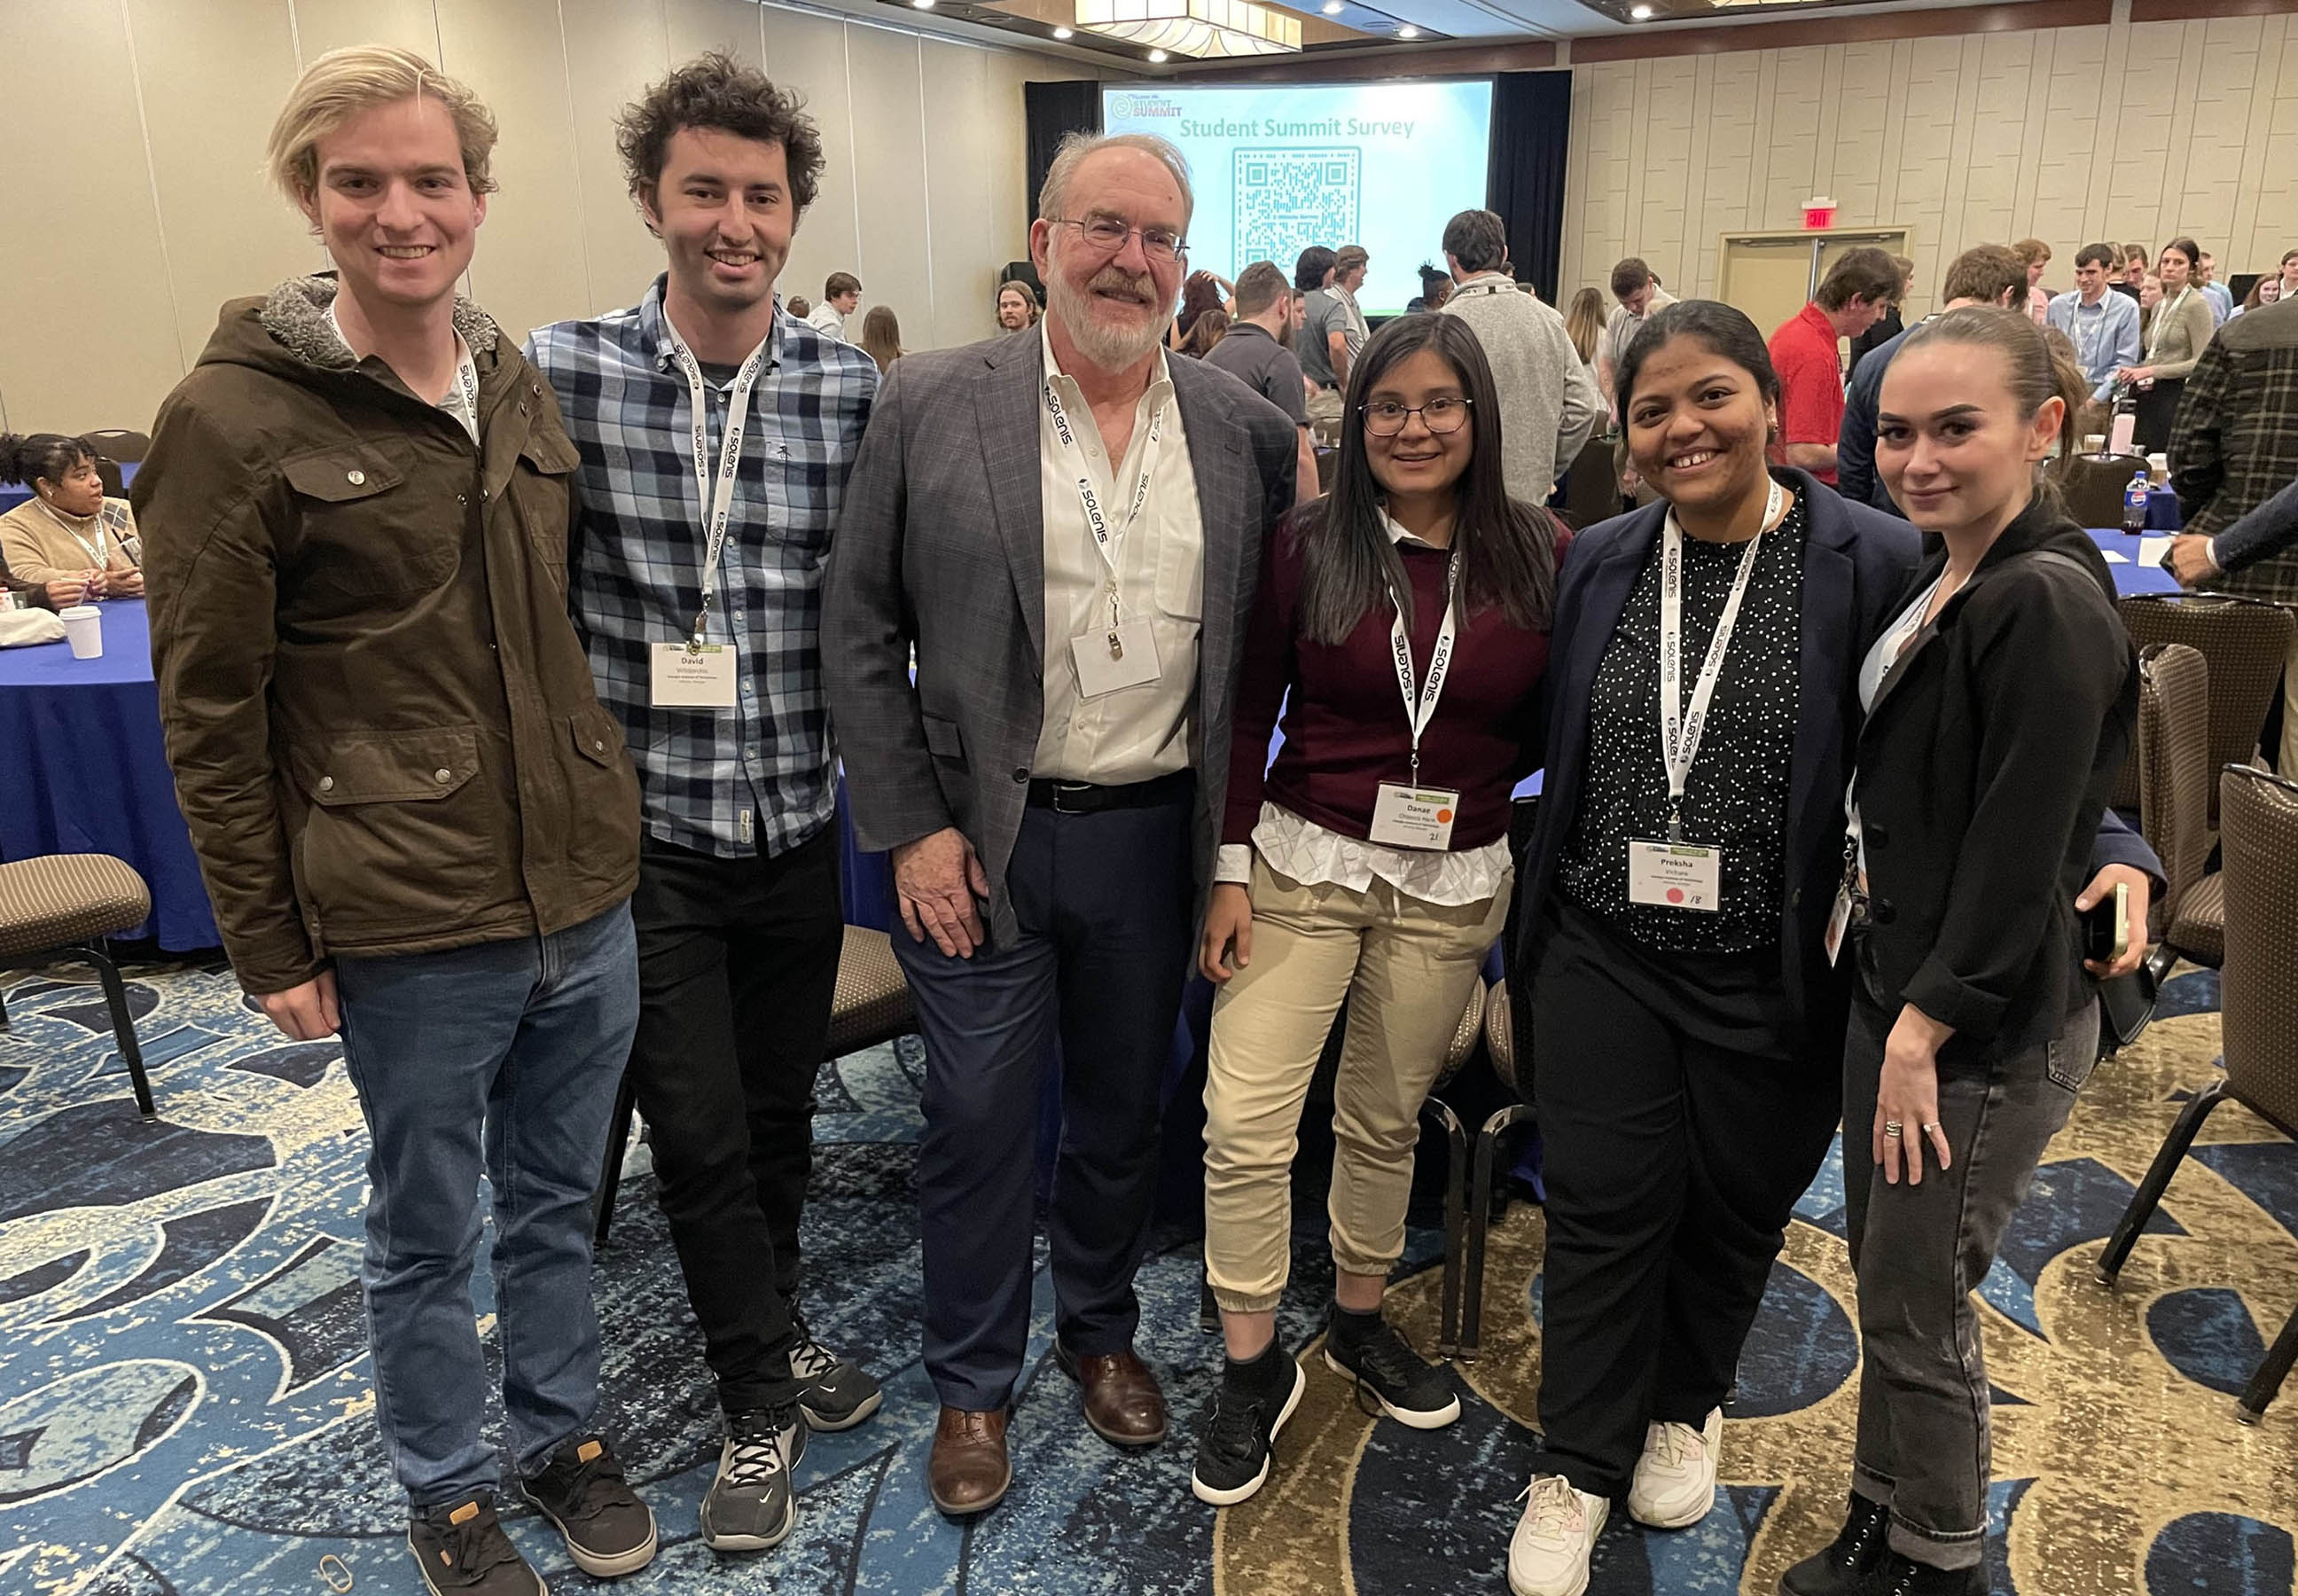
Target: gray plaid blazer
{"type": "Point", "coordinates": [940, 547]}
{"type": "Point", "coordinates": [2234, 444]}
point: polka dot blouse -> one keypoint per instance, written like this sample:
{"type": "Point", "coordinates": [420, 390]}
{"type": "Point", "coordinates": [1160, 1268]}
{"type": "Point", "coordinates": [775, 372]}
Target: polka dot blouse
{"type": "Point", "coordinates": [1737, 796]}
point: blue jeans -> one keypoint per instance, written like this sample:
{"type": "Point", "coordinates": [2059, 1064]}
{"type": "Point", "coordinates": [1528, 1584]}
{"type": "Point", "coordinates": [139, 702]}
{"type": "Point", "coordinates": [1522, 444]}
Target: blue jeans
{"type": "Point", "coordinates": [510, 1053]}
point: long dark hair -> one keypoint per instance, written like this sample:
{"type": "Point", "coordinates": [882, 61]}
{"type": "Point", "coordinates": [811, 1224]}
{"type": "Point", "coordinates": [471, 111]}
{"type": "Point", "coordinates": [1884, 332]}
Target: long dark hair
{"type": "Point", "coordinates": [1348, 564]}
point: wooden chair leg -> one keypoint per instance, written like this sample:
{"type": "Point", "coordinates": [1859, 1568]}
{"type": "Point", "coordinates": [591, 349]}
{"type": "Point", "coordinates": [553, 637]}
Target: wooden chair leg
{"type": "Point", "coordinates": [123, 1027]}
{"type": "Point", "coordinates": [2266, 1384]}
{"type": "Point", "coordinates": [2149, 1194]}
{"type": "Point", "coordinates": [1480, 1208]}
{"type": "Point", "coordinates": [610, 1172]}
{"type": "Point", "coordinates": [1456, 1201]}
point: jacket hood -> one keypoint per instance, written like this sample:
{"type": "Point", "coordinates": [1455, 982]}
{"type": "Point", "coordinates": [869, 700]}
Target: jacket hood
{"type": "Point", "coordinates": [290, 333]}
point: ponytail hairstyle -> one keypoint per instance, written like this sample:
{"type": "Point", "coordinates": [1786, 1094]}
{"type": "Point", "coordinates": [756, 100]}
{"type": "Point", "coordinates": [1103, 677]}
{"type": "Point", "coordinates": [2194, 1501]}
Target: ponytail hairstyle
{"type": "Point", "coordinates": [28, 458]}
{"type": "Point", "coordinates": [2032, 370]}
{"type": "Point", "coordinates": [1350, 566]}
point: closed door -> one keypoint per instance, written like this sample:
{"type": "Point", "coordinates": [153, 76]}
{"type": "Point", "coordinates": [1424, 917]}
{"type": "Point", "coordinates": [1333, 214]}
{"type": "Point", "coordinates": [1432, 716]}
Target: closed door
{"type": "Point", "coordinates": [1769, 279]}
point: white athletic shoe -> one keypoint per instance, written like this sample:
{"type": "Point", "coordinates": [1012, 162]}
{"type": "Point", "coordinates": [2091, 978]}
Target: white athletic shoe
{"type": "Point", "coordinates": [1674, 1484]}
{"type": "Point", "coordinates": [1548, 1556]}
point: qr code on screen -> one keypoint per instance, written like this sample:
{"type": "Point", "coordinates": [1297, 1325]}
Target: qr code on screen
{"type": "Point", "coordinates": [1288, 199]}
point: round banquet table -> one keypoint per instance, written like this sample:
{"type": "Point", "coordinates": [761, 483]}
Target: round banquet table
{"type": "Point", "coordinates": [87, 771]}
{"type": "Point", "coordinates": [2133, 571]}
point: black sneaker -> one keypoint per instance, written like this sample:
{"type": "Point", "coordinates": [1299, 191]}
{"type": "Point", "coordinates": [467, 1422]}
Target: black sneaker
{"type": "Point", "coordinates": [1249, 1411]}
{"type": "Point", "coordinates": [609, 1530]}
{"type": "Point", "coordinates": [1380, 1360]}
{"type": "Point", "coordinates": [752, 1504]}
{"type": "Point", "coordinates": [1898, 1576]}
{"type": "Point", "coordinates": [1856, 1552]}
{"type": "Point", "coordinates": [462, 1550]}
{"type": "Point", "coordinates": [833, 1394]}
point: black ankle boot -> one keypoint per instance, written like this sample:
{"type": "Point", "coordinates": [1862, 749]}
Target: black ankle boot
{"type": "Point", "coordinates": [1855, 1553]}
{"type": "Point", "coordinates": [1899, 1575]}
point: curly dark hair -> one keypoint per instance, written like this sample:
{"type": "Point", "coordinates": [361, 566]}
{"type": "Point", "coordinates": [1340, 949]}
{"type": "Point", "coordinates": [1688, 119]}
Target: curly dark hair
{"type": "Point", "coordinates": [717, 91]}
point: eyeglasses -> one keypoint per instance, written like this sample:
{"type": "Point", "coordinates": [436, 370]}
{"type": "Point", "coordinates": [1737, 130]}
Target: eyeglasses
{"type": "Point", "coordinates": [1108, 235]}
{"type": "Point", "coordinates": [1384, 418]}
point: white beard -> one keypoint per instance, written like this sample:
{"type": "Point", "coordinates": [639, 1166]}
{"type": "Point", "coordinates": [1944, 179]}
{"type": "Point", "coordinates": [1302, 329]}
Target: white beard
{"type": "Point", "coordinates": [1113, 349]}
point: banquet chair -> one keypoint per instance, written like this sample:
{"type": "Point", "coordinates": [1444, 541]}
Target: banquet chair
{"type": "Point", "coordinates": [2243, 642]}
{"type": "Point", "coordinates": [2258, 1019]}
{"type": "Point", "coordinates": [2173, 753]}
{"type": "Point", "coordinates": [126, 447]}
{"type": "Point", "coordinates": [1591, 484]}
{"type": "Point", "coordinates": [872, 1004]}
{"type": "Point", "coordinates": [60, 902]}
{"type": "Point", "coordinates": [2094, 485]}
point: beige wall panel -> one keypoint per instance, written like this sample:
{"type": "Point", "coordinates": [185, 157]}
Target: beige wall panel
{"type": "Point", "coordinates": [2070, 146]}
{"type": "Point", "coordinates": [1997, 158]}
{"type": "Point", "coordinates": [808, 53]}
{"type": "Point", "coordinates": [2205, 180]}
{"type": "Point", "coordinates": [1011, 206]}
{"type": "Point", "coordinates": [1792, 135]}
{"type": "Point", "coordinates": [613, 49]}
{"type": "Point", "coordinates": [1728, 139]}
{"type": "Point", "coordinates": [1665, 169]}
{"type": "Point", "coordinates": [325, 25]}
{"type": "Point", "coordinates": [732, 25]}
{"type": "Point", "coordinates": [2148, 119]}
{"type": "Point", "coordinates": [214, 76]}
{"type": "Point", "coordinates": [1856, 153]}
{"type": "Point", "coordinates": [93, 339]}
{"type": "Point", "coordinates": [530, 267]}
{"type": "Point", "coordinates": [960, 176]}
{"type": "Point", "coordinates": [889, 126]}
{"type": "Point", "coordinates": [1610, 134]}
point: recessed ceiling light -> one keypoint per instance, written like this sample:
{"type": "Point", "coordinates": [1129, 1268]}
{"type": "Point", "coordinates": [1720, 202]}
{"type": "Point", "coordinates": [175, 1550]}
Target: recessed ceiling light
{"type": "Point", "coordinates": [923, 5]}
{"type": "Point", "coordinates": [1407, 31]}
{"type": "Point", "coordinates": [1159, 56]}
{"type": "Point", "coordinates": [1062, 33]}
{"type": "Point", "coordinates": [1641, 14]}
{"type": "Point", "coordinates": [1333, 8]}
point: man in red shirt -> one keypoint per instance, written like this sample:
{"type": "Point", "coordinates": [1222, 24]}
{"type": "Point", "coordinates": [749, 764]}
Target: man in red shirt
{"type": "Point", "coordinates": [1856, 292]}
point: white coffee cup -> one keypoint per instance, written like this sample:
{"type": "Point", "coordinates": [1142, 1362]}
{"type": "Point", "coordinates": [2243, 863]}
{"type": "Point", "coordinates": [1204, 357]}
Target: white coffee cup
{"type": "Point", "coordinates": [84, 630]}
{"type": "Point", "coordinates": [2094, 443]}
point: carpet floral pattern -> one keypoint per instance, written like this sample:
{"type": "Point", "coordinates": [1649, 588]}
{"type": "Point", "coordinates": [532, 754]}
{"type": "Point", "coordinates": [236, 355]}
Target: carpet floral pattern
{"type": "Point", "coordinates": [185, 1403]}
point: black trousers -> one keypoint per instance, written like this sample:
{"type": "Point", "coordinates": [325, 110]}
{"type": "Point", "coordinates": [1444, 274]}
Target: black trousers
{"type": "Point", "coordinates": [738, 964]}
{"type": "Point", "coordinates": [1103, 903]}
{"type": "Point", "coordinates": [1673, 1165]}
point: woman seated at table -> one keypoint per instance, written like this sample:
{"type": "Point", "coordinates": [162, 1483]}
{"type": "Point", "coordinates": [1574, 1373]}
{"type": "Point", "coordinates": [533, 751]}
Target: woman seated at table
{"type": "Point", "coordinates": [2000, 705]}
{"type": "Point", "coordinates": [68, 539]}
{"type": "Point", "coordinates": [1403, 622]}
{"type": "Point", "coordinates": [2181, 324]}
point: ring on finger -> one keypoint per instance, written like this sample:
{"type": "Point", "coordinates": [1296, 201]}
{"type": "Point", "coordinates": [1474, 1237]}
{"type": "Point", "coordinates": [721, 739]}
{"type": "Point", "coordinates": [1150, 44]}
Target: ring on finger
{"type": "Point", "coordinates": [1932, 1128]}
{"type": "Point", "coordinates": [1892, 1128]}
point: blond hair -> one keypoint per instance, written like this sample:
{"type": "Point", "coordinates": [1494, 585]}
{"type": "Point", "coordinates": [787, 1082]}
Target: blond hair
{"type": "Point", "coordinates": [341, 84]}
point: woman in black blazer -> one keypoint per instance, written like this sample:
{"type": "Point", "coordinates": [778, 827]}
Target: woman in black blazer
{"type": "Point", "coordinates": [1686, 1063]}
{"type": "Point", "coordinates": [2002, 701]}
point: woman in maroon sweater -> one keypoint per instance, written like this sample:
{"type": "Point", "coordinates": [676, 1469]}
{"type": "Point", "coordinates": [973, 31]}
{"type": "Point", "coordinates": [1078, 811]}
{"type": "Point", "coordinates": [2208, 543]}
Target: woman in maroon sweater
{"type": "Point", "coordinates": [1407, 616]}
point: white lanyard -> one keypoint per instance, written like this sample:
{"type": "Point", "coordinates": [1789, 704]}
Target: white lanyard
{"type": "Point", "coordinates": [718, 500]}
{"type": "Point", "coordinates": [1105, 538]}
{"type": "Point", "coordinates": [1420, 706]}
{"type": "Point", "coordinates": [2163, 314]}
{"type": "Point", "coordinates": [2090, 340]}
{"type": "Point", "coordinates": [95, 551]}
{"type": "Point", "coordinates": [1680, 728]}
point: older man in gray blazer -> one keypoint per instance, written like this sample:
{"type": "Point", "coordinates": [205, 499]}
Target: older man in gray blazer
{"type": "Point", "coordinates": [1065, 529]}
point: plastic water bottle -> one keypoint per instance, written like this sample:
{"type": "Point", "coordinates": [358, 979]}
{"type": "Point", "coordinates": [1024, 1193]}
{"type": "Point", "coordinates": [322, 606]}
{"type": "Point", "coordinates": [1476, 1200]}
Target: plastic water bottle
{"type": "Point", "coordinates": [2133, 503]}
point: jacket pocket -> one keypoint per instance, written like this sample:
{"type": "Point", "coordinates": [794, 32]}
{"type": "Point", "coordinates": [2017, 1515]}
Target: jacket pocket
{"type": "Point", "coordinates": [602, 791]}
{"type": "Point", "coordinates": [943, 739]}
{"type": "Point", "coordinates": [364, 529]}
{"type": "Point", "coordinates": [400, 837]}
{"type": "Point", "coordinates": [542, 495]}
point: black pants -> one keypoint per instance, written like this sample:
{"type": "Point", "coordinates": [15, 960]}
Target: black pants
{"type": "Point", "coordinates": [1673, 1165]}
{"type": "Point", "coordinates": [2158, 408]}
{"type": "Point", "coordinates": [1103, 901]}
{"type": "Point", "coordinates": [737, 963]}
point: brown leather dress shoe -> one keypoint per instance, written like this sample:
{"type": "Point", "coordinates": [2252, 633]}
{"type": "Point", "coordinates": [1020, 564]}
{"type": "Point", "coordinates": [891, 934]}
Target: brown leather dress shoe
{"type": "Point", "coordinates": [1122, 1402]}
{"type": "Point", "coordinates": [969, 1472]}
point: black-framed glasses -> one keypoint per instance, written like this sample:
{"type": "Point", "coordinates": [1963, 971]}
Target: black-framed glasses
{"type": "Point", "coordinates": [1384, 418]}
{"type": "Point", "coordinates": [1108, 235]}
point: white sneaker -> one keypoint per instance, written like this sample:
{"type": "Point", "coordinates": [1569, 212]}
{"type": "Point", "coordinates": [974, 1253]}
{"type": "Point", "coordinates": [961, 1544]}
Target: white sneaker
{"type": "Point", "coordinates": [1674, 1484]}
{"type": "Point", "coordinates": [1548, 1556]}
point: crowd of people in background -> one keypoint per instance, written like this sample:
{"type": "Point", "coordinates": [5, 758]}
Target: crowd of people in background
{"type": "Point", "coordinates": [1056, 591]}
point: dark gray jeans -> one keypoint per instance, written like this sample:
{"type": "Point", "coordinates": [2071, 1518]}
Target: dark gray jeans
{"type": "Point", "coordinates": [1918, 1252]}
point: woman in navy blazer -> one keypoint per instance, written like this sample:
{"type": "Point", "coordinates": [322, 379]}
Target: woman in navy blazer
{"type": "Point", "coordinates": [1689, 1085]}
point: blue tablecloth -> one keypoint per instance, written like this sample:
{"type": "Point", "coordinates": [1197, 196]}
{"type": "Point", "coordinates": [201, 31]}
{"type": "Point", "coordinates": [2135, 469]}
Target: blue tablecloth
{"type": "Point", "coordinates": [2134, 576]}
{"type": "Point", "coordinates": [86, 771]}
{"type": "Point", "coordinates": [2162, 510]}
{"type": "Point", "coordinates": [11, 496]}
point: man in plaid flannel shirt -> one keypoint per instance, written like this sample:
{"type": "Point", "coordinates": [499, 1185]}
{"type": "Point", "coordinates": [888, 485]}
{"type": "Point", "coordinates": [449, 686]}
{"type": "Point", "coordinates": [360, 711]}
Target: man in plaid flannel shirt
{"type": "Point", "coordinates": [2234, 446]}
{"type": "Point", "coordinates": [697, 581]}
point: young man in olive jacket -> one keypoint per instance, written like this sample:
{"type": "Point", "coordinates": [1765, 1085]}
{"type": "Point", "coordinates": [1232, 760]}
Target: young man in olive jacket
{"type": "Point", "coordinates": [417, 824]}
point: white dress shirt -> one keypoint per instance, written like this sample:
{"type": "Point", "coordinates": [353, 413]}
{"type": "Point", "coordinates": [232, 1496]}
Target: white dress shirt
{"type": "Point", "coordinates": [1135, 733]}
{"type": "Point", "coordinates": [1299, 849]}
{"type": "Point", "coordinates": [824, 318]}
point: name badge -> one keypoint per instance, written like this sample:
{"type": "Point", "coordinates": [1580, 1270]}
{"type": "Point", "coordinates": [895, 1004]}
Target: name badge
{"type": "Point", "coordinates": [1675, 875]}
{"type": "Point", "coordinates": [1413, 816]}
{"type": "Point", "coordinates": [1114, 658]}
{"type": "Point", "coordinates": [1838, 921]}
{"type": "Point", "coordinates": [687, 680]}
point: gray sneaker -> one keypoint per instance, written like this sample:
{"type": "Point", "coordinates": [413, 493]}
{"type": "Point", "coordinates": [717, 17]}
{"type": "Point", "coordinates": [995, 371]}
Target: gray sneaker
{"type": "Point", "coordinates": [835, 1395]}
{"type": "Point", "coordinates": [752, 1504]}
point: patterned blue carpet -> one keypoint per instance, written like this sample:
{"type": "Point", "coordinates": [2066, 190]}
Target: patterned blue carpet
{"type": "Point", "coordinates": [185, 1406]}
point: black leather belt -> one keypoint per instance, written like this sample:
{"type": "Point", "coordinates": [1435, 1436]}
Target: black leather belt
{"type": "Point", "coordinates": [1083, 798]}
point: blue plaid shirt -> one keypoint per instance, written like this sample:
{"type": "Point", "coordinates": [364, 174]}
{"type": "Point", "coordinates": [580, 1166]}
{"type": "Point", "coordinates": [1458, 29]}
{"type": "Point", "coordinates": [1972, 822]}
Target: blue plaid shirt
{"type": "Point", "coordinates": [757, 777]}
